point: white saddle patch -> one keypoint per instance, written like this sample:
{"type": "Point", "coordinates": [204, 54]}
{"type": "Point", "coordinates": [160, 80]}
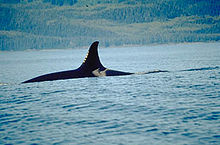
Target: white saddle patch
{"type": "Point", "coordinates": [99, 73]}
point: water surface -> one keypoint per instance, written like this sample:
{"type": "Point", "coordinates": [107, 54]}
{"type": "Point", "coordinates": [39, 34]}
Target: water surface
{"type": "Point", "coordinates": [176, 107]}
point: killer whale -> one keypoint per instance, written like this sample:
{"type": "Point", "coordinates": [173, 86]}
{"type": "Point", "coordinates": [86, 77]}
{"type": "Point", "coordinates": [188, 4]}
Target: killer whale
{"type": "Point", "coordinates": [91, 67]}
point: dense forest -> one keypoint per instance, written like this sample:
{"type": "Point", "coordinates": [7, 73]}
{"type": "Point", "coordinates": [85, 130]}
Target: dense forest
{"type": "Point", "coordinates": [46, 24]}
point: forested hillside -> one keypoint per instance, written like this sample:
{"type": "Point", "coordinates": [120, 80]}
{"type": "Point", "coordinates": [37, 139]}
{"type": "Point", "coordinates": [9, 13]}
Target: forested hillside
{"type": "Point", "coordinates": [46, 24]}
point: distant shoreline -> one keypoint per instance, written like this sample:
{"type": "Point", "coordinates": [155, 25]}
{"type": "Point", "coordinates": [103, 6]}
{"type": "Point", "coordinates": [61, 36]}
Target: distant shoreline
{"type": "Point", "coordinates": [55, 24]}
{"type": "Point", "coordinates": [121, 46]}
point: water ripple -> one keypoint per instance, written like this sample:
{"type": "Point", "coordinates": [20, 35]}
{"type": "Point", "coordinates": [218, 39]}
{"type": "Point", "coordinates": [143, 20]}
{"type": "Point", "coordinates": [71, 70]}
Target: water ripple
{"type": "Point", "coordinates": [179, 107]}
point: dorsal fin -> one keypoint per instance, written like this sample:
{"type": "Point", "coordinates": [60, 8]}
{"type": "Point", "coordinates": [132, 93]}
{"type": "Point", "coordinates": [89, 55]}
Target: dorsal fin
{"type": "Point", "coordinates": [91, 61]}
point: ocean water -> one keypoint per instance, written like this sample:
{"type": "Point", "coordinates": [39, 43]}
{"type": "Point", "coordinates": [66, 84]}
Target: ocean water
{"type": "Point", "coordinates": [181, 106]}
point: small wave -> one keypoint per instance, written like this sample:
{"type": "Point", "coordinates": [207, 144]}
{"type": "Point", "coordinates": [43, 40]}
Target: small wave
{"type": "Point", "coordinates": [153, 129]}
{"type": "Point", "coordinates": [192, 69]}
{"type": "Point", "coordinates": [149, 72]}
{"type": "Point", "coordinates": [3, 84]}
{"type": "Point", "coordinates": [203, 68]}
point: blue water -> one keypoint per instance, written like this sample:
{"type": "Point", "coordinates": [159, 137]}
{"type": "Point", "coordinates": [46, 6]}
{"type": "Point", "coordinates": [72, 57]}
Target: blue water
{"type": "Point", "coordinates": [176, 107]}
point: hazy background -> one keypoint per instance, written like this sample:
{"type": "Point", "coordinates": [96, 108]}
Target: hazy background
{"type": "Point", "coordinates": [46, 24]}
